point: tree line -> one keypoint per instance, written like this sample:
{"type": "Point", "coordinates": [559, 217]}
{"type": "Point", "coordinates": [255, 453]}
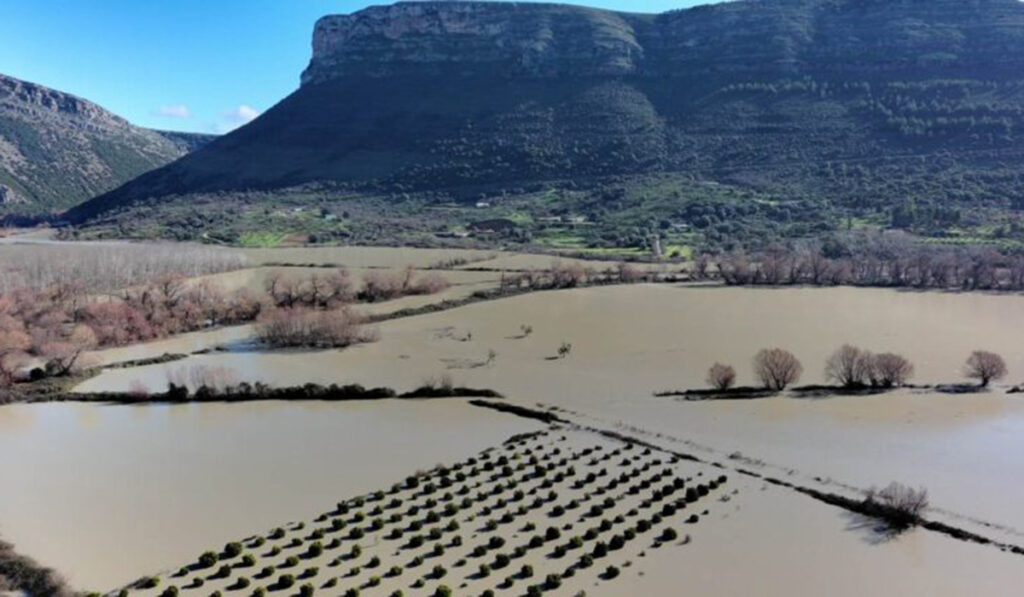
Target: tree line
{"type": "Point", "coordinates": [58, 325]}
{"type": "Point", "coordinates": [850, 367]}
{"type": "Point", "coordinates": [886, 260]}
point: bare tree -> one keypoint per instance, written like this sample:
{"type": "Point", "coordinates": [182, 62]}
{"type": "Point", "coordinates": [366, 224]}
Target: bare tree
{"type": "Point", "coordinates": [890, 370]}
{"type": "Point", "coordinates": [315, 329]}
{"type": "Point", "coordinates": [900, 506]}
{"type": "Point", "coordinates": [721, 377]}
{"type": "Point", "coordinates": [985, 367]}
{"type": "Point", "coordinates": [777, 368]}
{"type": "Point", "coordinates": [66, 356]}
{"type": "Point", "coordinates": [849, 366]}
{"type": "Point", "coordinates": [627, 273]}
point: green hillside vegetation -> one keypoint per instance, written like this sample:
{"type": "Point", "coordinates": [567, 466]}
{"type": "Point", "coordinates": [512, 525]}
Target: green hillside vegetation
{"type": "Point", "coordinates": [731, 124]}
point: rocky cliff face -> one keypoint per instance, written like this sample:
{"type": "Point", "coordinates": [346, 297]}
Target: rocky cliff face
{"type": "Point", "coordinates": [57, 149]}
{"type": "Point", "coordinates": [546, 40]}
{"type": "Point", "coordinates": [514, 39]}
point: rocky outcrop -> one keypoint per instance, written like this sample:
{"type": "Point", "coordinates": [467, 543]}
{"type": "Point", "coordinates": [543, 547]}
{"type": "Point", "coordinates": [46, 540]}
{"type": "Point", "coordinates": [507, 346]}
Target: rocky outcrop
{"type": "Point", "coordinates": [516, 39]}
{"type": "Point", "coordinates": [752, 36]}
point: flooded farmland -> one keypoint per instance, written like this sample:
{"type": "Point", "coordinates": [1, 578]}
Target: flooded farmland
{"type": "Point", "coordinates": [629, 342]}
{"type": "Point", "coordinates": [106, 494]}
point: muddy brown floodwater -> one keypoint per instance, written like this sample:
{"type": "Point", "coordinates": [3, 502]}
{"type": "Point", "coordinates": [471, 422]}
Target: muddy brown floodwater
{"type": "Point", "coordinates": [630, 341]}
{"type": "Point", "coordinates": [106, 494]}
{"type": "Point", "coordinates": [627, 343]}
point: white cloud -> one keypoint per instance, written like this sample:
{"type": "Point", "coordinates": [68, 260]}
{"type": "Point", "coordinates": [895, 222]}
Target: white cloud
{"type": "Point", "coordinates": [236, 117]}
{"type": "Point", "coordinates": [174, 111]}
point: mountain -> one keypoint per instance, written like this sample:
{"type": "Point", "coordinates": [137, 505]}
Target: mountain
{"type": "Point", "coordinates": [57, 150]}
{"type": "Point", "coordinates": [811, 110]}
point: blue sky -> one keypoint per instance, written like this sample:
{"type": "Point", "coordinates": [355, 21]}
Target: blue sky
{"type": "Point", "coordinates": [190, 65]}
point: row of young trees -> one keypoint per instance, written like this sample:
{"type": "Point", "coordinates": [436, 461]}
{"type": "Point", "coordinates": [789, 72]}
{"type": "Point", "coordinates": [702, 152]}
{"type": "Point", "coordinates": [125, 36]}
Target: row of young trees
{"type": "Point", "coordinates": [890, 259]}
{"type": "Point", "coordinates": [850, 367]}
{"type": "Point", "coordinates": [108, 267]}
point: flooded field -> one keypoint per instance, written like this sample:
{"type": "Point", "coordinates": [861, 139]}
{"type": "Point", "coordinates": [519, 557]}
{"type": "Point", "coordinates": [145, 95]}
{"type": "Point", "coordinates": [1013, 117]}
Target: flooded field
{"type": "Point", "coordinates": [179, 472]}
{"type": "Point", "coordinates": [629, 342]}
{"type": "Point", "coordinates": [106, 494]}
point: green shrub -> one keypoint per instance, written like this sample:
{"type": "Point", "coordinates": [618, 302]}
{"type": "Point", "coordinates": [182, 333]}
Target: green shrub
{"type": "Point", "coordinates": [395, 571]}
{"type": "Point", "coordinates": [306, 590]}
{"type": "Point", "coordinates": [500, 561]}
{"type": "Point", "coordinates": [315, 549]}
{"type": "Point", "coordinates": [223, 572]}
{"type": "Point", "coordinates": [208, 559]}
{"type": "Point", "coordinates": [242, 582]}
{"type": "Point", "coordinates": [438, 572]}
{"type": "Point", "coordinates": [669, 534]}
{"type": "Point", "coordinates": [552, 582]}
{"type": "Point", "coordinates": [286, 581]}
{"type": "Point", "coordinates": [485, 571]}
{"type": "Point", "coordinates": [148, 582]}
{"type": "Point", "coordinates": [248, 560]}
{"type": "Point", "coordinates": [291, 561]}
{"type": "Point", "coordinates": [373, 581]}
{"type": "Point", "coordinates": [526, 571]}
{"type": "Point", "coordinates": [443, 591]}
{"type": "Point", "coordinates": [233, 549]}
{"type": "Point", "coordinates": [171, 591]}
{"type": "Point", "coordinates": [611, 572]}
{"type": "Point", "coordinates": [353, 592]}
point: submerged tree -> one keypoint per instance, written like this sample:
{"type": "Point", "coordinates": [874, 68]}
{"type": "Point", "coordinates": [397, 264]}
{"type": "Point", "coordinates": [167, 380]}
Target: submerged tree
{"type": "Point", "coordinates": [777, 368]}
{"type": "Point", "coordinates": [721, 377]}
{"type": "Point", "coordinates": [985, 367]}
{"type": "Point", "coordinates": [890, 370]}
{"type": "Point", "coordinates": [849, 366]}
